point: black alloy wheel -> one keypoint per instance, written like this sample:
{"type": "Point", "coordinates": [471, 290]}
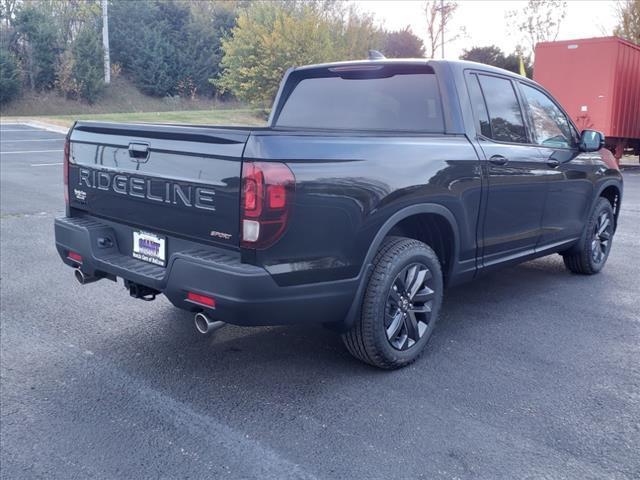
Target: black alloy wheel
{"type": "Point", "coordinates": [601, 239]}
{"type": "Point", "coordinates": [408, 309]}
{"type": "Point", "coordinates": [590, 254]}
{"type": "Point", "coordinates": [400, 305]}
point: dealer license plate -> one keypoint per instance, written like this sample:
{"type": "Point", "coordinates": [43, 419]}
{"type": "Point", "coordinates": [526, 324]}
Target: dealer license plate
{"type": "Point", "coordinates": [149, 247]}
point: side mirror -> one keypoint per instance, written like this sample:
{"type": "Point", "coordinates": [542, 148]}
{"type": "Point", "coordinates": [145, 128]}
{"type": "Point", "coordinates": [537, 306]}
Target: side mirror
{"type": "Point", "coordinates": [591, 141]}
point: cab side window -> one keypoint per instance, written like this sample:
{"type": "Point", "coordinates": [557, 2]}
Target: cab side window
{"type": "Point", "coordinates": [505, 115]}
{"type": "Point", "coordinates": [550, 126]}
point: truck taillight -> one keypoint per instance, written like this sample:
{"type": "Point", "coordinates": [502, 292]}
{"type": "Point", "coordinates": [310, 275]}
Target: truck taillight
{"type": "Point", "coordinates": [65, 169]}
{"type": "Point", "coordinates": [267, 197]}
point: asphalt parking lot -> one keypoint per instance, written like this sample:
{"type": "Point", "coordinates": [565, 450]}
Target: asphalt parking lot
{"type": "Point", "coordinates": [532, 372]}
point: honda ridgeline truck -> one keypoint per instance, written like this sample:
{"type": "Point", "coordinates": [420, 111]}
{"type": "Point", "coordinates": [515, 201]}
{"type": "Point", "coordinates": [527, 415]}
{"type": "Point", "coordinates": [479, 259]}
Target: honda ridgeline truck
{"type": "Point", "coordinates": [375, 185]}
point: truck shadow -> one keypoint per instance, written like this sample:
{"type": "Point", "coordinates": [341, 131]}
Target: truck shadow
{"type": "Point", "coordinates": [297, 356]}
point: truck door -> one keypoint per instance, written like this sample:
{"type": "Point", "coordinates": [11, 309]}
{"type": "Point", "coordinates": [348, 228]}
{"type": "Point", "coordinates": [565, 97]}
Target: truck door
{"type": "Point", "coordinates": [514, 168]}
{"type": "Point", "coordinates": [570, 187]}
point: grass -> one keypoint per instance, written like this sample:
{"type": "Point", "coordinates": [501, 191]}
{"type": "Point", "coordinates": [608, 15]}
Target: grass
{"type": "Point", "coordinates": [231, 116]}
{"type": "Point", "coordinates": [120, 96]}
{"type": "Point", "coordinates": [122, 102]}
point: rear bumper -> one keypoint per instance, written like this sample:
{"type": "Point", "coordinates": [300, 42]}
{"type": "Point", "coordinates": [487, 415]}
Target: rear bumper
{"type": "Point", "coordinates": [245, 294]}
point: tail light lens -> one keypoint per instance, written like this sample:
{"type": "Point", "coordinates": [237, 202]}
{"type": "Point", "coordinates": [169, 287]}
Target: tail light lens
{"type": "Point", "coordinates": [76, 257]}
{"type": "Point", "coordinates": [65, 169]}
{"type": "Point", "coordinates": [267, 198]}
{"type": "Point", "coordinates": [201, 299]}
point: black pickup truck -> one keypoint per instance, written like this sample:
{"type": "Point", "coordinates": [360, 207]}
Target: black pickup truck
{"type": "Point", "coordinates": [375, 185]}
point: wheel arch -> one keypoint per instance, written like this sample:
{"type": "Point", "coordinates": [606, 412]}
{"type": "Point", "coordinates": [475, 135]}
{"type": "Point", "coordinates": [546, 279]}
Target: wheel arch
{"type": "Point", "coordinates": [612, 191]}
{"type": "Point", "coordinates": [387, 228]}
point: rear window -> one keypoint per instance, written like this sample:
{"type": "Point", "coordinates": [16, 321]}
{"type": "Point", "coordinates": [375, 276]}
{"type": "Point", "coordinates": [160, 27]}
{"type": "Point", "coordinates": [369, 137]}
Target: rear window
{"type": "Point", "coordinates": [507, 124]}
{"type": "Point", "coordinates": [384, 99]}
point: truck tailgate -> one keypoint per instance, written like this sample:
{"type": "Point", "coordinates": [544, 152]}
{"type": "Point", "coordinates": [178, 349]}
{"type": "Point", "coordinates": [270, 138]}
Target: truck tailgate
{"type": "Point", "coordinates": [163, 179]}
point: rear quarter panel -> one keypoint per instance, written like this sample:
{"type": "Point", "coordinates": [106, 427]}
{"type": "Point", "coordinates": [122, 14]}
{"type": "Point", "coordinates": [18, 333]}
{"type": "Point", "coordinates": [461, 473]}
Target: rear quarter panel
{"type": "Point", "coordinates": [348, 185]}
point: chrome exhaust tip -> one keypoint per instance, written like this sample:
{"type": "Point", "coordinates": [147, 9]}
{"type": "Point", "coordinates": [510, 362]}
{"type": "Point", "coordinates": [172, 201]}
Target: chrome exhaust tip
{"type": "Point", "coordinates": [84, 278]}
{"type": "Point", "coordinates": [206, 325]}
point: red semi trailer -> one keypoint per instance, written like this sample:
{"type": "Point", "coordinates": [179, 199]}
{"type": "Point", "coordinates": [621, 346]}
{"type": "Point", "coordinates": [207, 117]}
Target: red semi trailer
{"type": "Point", "coordinates": [597, 81]}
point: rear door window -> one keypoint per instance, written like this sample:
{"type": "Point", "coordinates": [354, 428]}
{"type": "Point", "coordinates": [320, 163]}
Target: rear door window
{"type": "Point", "coordinates": [507, 124]}
{"type": "Point", "coordinates": [388, 100]}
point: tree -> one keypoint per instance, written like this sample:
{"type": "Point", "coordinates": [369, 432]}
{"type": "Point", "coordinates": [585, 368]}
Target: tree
{"type": "Point", "coordinates": [403, 44]}
{"type": "Point", "coordinates": [87, 64]}
{"type": "Point", "coordinates": [539, 21]}
{"type": "Point", "coordinates": [628, 13]}
{"type": "Point", "coordinates": [352, 34]}
{"type": "Point", "coordinates": [68, 16]}
{"type": "Point", "coordinates": [439, 13]}
{"type": "Point", "coordinates": [8, 10]}
{"type": "Point", "coordinates": [40, 48]}
{"type": "Point", "coordinates": [9, 77]}
{"type": "Point", "coordinates": [153, 56]}
{"type": "Point", "coordinates": [270, 37]}
{"type": "Point", "coordinates": [205, 35]}
{"type": "Point", "coordinates": [175, 43]}
{"type": "Point", "coordinates": [492, 55]}
{"type": "Point", "coordinates": [155, 68]}
{"type": "Point", "coordinates": [512, 62]}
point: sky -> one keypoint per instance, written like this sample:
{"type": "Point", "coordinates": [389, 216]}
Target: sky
{"type": "Point", "coordinates": [485, 23]}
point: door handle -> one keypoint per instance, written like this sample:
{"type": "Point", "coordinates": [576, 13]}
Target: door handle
{"type": "Point", "coordinates": [553, 163]}
{"type": "Point", "coordinates": [498, 160]}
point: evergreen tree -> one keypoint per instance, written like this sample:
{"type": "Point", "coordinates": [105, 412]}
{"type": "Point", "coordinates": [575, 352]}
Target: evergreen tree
{"type": "Point", "coordinates": [40, 46]}
{"type": "Point", "coordinates": [9, 77]}
{"type": "Point", "coordinates": [204, 47]}
{"type": "Point", "coordinates": [154, 68]}
{"type": "Point", "coordinates": [163, 46]}
{"type": "Point", "coordinates": [88, 67]}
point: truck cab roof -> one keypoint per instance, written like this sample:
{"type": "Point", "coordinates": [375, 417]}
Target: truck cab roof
{"type": "Point", "coordinates": [453, 64]}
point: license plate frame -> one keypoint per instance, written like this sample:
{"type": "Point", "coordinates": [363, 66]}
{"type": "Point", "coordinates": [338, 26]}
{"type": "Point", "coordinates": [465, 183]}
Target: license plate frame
{"type": "Point", "coordinates": [149, 247]}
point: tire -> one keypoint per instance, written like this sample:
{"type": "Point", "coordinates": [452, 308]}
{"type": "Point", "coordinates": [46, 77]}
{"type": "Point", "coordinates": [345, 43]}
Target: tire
{"type": "Point", "coordinates": [400, 307]}
{"type": "Point", "coordinates": [594, 247]}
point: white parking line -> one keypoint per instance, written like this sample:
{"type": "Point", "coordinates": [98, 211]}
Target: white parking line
{"type": "Point", "coordinates": [33, 151]}
{"type": "Point", "coordinates": [45, 164]}
{"type": "Point", "coordinates": [34, 140]}
{"type": "Point", "coordinates": [30, 130]}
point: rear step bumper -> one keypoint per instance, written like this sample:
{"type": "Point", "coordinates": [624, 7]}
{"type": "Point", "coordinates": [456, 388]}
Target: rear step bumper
{"type": "Point", "coordinates": [244, 294]}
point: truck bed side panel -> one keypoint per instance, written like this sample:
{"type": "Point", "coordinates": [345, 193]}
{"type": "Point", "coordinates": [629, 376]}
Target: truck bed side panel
{"type": "Point", "coordinates": [348, 185]}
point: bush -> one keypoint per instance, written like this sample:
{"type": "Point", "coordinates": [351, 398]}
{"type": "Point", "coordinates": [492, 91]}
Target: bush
{"type": "Point", "coordinates": [9, 77]}
{"type": "Point", "coordinates": [88, 66]}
